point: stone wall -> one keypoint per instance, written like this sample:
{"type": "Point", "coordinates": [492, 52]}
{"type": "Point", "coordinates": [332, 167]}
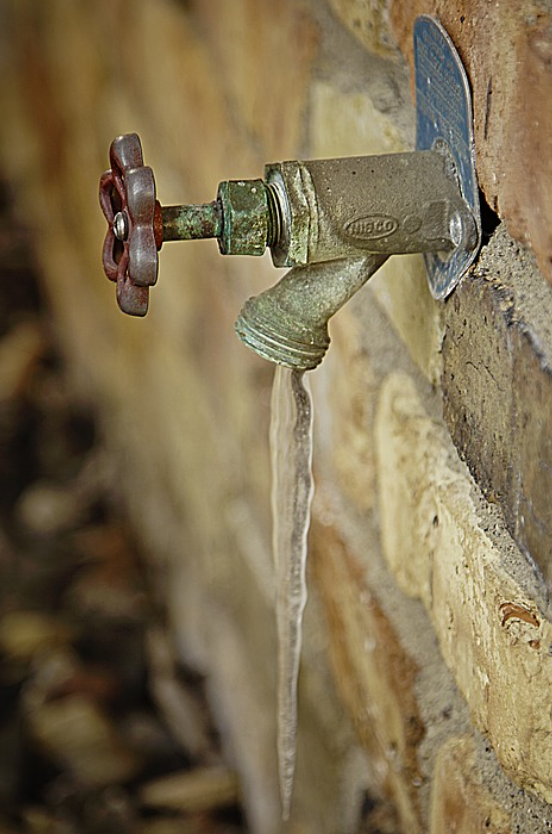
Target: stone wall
{"type": "Point", "coordinates": [426, 683]}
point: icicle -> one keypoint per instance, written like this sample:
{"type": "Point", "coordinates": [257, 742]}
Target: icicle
{"type": "Point", "coordinates": [292, 489]}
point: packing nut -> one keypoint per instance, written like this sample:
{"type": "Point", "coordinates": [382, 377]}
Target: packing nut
{"type": "Point", "coordinates": [245, 217]}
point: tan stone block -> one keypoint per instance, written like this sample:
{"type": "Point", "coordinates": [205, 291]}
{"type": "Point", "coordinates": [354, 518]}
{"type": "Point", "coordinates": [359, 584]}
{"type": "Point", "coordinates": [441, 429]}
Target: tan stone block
{"type": "Point", "coordinates": [478, 381]}
{"type": "Point", "coordinates": [263, 54]}
{"type": "Point", "coordinates": [344, 411]}
{"type": "Point", "coordinates": [446, 546]}
{"type": "Point", "coordinates": [497, 388]}
{"type": "Point", "coordinates": [460, 801]}
{"type": "Point", "coordinates": [369, 22]}
{"type": "Point", "coordinates": [347, 123]}
{"type": "Point", "coordinates": [374, 675]}
{"type": "Point", "coordinates": [402, 289]}
{"type": "Point", "coordinates": [187, 124]}
{"type": "Point", "coordinates": [533, 390]}
{"type": "Point", "coordinates": [494, 637]}
{"type": "Point", "coordinates": [410, 448]}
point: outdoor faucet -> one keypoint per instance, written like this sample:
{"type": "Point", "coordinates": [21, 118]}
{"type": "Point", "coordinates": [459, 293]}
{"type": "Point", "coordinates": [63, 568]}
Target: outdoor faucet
{"type": "Point", "coordinates": [333, 221]}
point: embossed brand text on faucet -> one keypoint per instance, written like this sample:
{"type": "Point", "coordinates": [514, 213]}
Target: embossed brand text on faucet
{"type": "Point", "coordinates": [372, 227]}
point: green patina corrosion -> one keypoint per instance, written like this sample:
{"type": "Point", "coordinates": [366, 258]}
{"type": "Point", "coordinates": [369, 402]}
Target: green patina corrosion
{"type": "Point", "coordinates": [192, 222]}
{"type": "Point", "coordinates": [245, 209]}
{"type": "Point", "coordinates": [239, 218]}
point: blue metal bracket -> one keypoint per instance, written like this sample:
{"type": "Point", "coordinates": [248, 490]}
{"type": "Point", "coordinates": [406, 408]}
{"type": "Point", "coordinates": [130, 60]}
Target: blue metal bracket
{"type": "Point", "coordinates": [444, 121]}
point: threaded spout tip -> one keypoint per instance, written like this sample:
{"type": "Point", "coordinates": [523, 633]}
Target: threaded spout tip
{"type": "Point", "coordinates": [285, 344]}
{"type": "Point", "coordinates": [288, 324]}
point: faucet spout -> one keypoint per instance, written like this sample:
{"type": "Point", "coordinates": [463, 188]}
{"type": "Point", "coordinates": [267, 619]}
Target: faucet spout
{"type": "Point", "coordinates": [288, 323]}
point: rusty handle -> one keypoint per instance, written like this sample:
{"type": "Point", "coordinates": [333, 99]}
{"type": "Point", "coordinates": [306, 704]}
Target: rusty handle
{"type": "Point", "coordinates": [137, 225]}
{"type": "Point", "coordinates": [127, 199]}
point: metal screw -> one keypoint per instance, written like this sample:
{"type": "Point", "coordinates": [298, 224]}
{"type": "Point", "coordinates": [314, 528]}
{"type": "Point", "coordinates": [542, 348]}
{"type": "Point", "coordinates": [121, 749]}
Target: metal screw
{"type": "Point", "coordinates": [120, 226]}
{"type": "Point", "coordinates": [456, 229]}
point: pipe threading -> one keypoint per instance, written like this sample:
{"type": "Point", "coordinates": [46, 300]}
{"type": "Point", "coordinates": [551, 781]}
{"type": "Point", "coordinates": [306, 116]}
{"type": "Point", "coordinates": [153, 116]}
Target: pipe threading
{"type": "Point", "coordinates": [284, 342]}
{"type": "Point", "coordinates": [275, 220]}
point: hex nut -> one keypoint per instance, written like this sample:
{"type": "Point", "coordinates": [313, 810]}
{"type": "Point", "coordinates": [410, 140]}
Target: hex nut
{"type": "Point", "coordinates": [245, 217]}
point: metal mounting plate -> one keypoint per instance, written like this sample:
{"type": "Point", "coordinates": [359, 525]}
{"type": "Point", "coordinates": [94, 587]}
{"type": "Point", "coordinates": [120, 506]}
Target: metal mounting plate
{"type": "Point", "coordinates": [444, 115]}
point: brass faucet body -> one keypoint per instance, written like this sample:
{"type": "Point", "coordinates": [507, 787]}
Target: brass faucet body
{"type": "Point", "coordinates": [391, 205]}
{"type": "Point", "coordinates": [336, 222]}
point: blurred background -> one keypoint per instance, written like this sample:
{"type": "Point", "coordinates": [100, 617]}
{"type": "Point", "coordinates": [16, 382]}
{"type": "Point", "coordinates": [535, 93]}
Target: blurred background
{"type": "Point", "coordinates": [133, 453]}
{"type": "Point", "coordinates": [137, 636]}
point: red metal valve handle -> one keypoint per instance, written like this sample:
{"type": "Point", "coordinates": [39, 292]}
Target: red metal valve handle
{"type": "Point", "coordinates": [134, 233]}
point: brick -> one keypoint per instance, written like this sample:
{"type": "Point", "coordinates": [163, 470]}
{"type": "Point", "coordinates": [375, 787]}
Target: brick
{"type": "Point", "coordinates": [497, 388]}
{"type": "Point", "coordinates": [410, 448]}
{"type": "Point", "coordinates": [401, 288]}
{"type": "Point", "coordinates": [369, 22]}
{"type": "Point", "coordinates": [460, 801]}
{"type": "Point", "coordinates": [348, 122]}
{"type": "Point", "coordinates": [446, 547]}
{"type": "Point", "coordinates": [344, 412]}
{"type": "Point", "coordinates": [531, 502]}
{"type": "Point", "coordinates": [263, 54]}
{"type": "Point", "coordinates": [168, 76]}
{"type": "Point", "coordinates": [373, 673]}
{"type": "Point", "coordinates": [478, 380]}
{"type": "Point", "coordinates": [514, 150]}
